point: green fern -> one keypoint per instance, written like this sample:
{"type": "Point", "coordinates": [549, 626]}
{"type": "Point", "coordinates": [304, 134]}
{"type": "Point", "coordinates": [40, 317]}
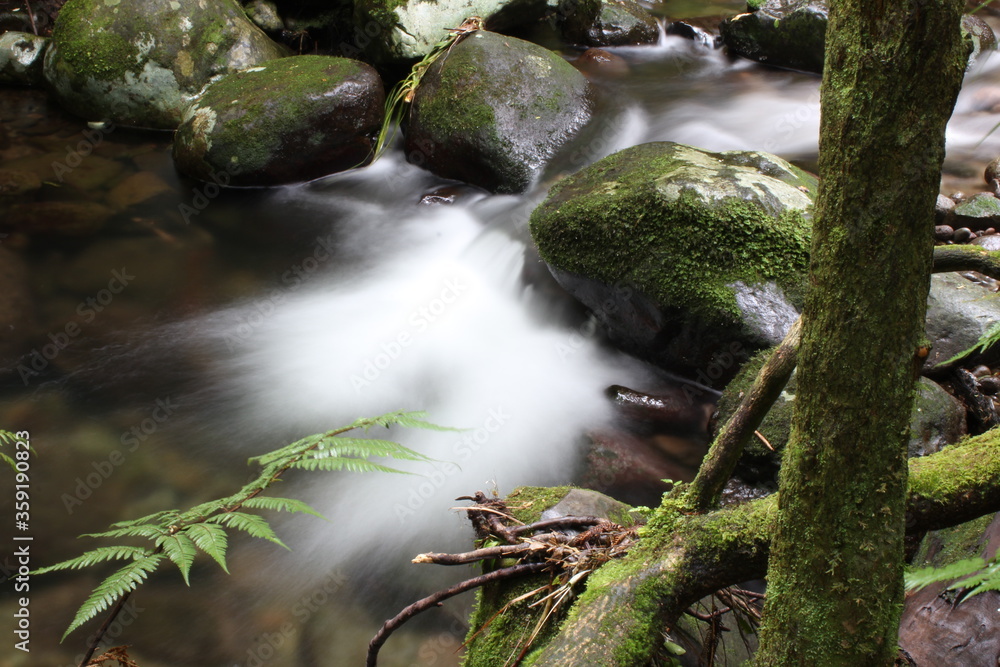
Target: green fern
{"type": "Point", "coordinates": [178, 536]}
{"type": "Point", "coordinates": [990, 338]}
{"type": "Point", "coordinates": [8, 438]}
{"type": "Point", "coordinates": [972, 576]}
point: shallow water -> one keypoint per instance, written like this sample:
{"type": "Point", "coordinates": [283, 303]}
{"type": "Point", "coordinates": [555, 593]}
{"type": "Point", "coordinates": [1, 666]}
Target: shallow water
{"type": "Point", "coordinates": [255, 317]}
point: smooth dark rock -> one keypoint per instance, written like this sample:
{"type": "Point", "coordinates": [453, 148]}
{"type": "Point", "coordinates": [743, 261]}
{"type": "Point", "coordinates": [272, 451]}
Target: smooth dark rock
{"type": "Point", "coordinates": [606, 22]}
{"type": "Point", "coordinates": [959, 312]}
{"type": "Point", "coordinates": [962, 235]}
{"type": "Point", "coordinates": [286, 121]}
{"type": "Point", "coordinates": [943, 233]}
{"type": "Point", "coordinates": [495, 111]}
{"type": "Point", "coordinates": [601, 63]}
{"type": "Point", "coordinates": [782, 33]}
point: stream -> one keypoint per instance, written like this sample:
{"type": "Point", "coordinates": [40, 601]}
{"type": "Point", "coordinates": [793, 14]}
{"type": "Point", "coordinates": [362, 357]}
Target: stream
{"type": "Point", "coordinates": [241, 320]}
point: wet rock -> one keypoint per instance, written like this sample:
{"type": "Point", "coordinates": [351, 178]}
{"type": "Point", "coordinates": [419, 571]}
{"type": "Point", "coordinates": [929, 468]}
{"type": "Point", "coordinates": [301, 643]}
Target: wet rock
{"type": "Point", "coordinates": [938, 419]}
{"type": "Point", "coordinates": [141, 64]}
{"type": "Point", "coordinates": [17, 186]}
{"type": "Point", "coordinates": [944, 208]}
{"type": "Point", "coordinates": [495, 111]}
{"type": "Point", "coordinates": [92, 172]}
{"type": "Point", "coordinates": [688, 29]}
{"type": "Point", "coordinates": [959, 313]}
{"type": "Point", "coordinates": [782, 33]}
{"type": "Point", "coordinates": [601, 63]}
{"type": "Point", "coordinates": [943, 233]}
{"type": "Point", "coordinates": [983, 39]}
{"type": "Point", "coordinates": [962, 235]}
{"type": "Point", "coordinates": [585, 502]}
{"type": "Point", "coordinates": [17, 313]}
{"type": "Point", "coordinates": [606, 22]}
{"type": "Point", "coordinates": [21, 56]}
{"type": "Point", "coordinates": [679, 409]}
{"type": "Point", "coordinates": [991, 242]}
{"type": "Point", "coordinates": [989, 385]}
{"type": "Point", "coordinates": [689, 259]}
{"type": "Point", "coordinates": [286, 121]}
{"type": "Point", "coordinates": [407, 30]}
{"type": "Point", "coordinates": [939, 628]}
{"type": "Point", "coordinates": [265, 15]}
{"type": "Point", "coordinates": [628, 467]}
{"type": "Point", "coordinates": [139, 188]}
{"type": "Point", "coordinates": [978, 212]}
{"type": "Point", "coordinates": [71, 218]}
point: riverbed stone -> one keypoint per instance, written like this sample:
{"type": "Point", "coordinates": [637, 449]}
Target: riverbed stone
{"type": "Point", "coordinates": [286, 121]}
{"type": "Point", "coordinates": [690, 259]}
{"type": "Point", "coordinates": [782, 33]}
{"type": "Point", "coordinates": [959, 313]}
{"type": "Point", "coordinates": [606, 22]}
{"type": "Point", "coordinates": [21, 57]}
{"type": "Point", "coordinates": [495, 111]}
{"type": "Point", "coordinates": [407, 30]}
{"type": "Point", "coordinates": [978, 212]}
{"type": "Point", "coordinates": [141, 64]}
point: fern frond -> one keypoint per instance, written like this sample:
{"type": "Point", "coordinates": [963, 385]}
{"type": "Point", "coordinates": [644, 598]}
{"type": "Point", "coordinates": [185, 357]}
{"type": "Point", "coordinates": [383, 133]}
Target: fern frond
{"type": "Point", "coordinates": [251, 524]}
{"type": "Point", "coordinates": [181, 550]}
{"type": "Point", "coordinates": [989, 338]}
{"type": "Point", "coordinates": [164, 518]}
{"type": "Point", "coordinates": [118, 584]}
{"type": "Point", "coordinates": [211, 539]}
{"type": "Point", "coordinates": [95, 556]}
{"type": "Point", "coordinates": [149, 532]}
{"type": "Point", "coordinates": [8, 438]}
{"type": "Point", "coordinates": [926, 576]}
{"type": "Point", "coordinates": [290, 505]}
{"type": "Point", "coordinates": [366, 447]}
{"type": "Point", "coordinates": [337, 464]}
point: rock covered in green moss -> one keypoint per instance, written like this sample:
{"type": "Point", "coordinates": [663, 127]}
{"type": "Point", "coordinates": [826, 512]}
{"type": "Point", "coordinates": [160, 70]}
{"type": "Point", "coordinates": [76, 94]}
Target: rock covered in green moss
{"type": "Point", "coordinates": [407, 30]}
{"type": "Point", "coordinates": [682, 254]}
{"type": "Point", "coordinates": [494, 111]}
{"type": "Point", "coordinates": [142, 63]}
{"type": "Point", "coordinates": [21, 57]}
{"type": "Point", "coordinates": [289, 120]}
{"type": "Point", "coordinates": [782, 33]}
{"type": "Point", "coordinates": [606, 22]}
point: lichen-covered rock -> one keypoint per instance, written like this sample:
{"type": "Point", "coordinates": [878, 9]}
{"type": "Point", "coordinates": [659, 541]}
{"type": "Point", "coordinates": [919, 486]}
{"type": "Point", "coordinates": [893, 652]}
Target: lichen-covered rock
{"type": "Point", "coordinates": [21, 56]}
{"type": "Point", "coordinates": [978, 212]}
{"type": "Point", "coordinates": [495, 111]}
{"type": "Point", "coordinates": [286, 121]}
{"type": "Point", "coordinates": [782, 33]}
{"type": "Point", "coordinates": [606, 22]}
{"type": "Point", "coordinates": [682, 254]}
{"type": "Point", "coordinates": [407, 30]}
{"type": "Point", "coordinates": [142, 63]}
{"type": "Point", "coordinates": [981, 36]}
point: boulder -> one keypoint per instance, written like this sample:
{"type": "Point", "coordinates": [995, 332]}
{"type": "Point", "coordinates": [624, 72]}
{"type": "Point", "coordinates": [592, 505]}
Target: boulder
{"type": "Point", "coordinates": [494, 111]}
{"type": "Point", "coordinates": [21, 56]}
{"type": "Point", "coordinates": [682, 254]}
{"type": "Point", "coordinates": [959, 313]}
{"type": "Point", "coordinates": [978, 212]}
{"type": "Point", "coordinates": [606, 22]}
{"type": "Point", "coordinates": [286, 121]}
{"type": "Point", "coordinates": [141, 64]}
{"type": "Point", "coordinates": [782, 33]}
{"type": "Point", "coordinates": [407, 30]}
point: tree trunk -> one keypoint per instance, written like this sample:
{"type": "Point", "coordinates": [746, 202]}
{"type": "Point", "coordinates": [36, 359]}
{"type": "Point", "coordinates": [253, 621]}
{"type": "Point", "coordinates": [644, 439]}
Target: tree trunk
{"type": "Point", "coordinates": [835, 586]}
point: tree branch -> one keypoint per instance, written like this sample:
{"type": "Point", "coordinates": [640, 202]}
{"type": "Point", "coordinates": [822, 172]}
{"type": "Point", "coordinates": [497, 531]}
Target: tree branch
{"type": "Point", "coordinates": [719, 463]}
{"type": "Point", "coordinates": [966, 258]}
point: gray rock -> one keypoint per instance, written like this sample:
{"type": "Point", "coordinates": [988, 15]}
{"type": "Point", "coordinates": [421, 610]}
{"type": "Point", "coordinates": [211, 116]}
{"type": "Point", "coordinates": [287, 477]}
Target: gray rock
{"type": "Point", "coordinates": [265, 14]}
{"type": "Point", "coordinates": [584, 502]}
{"type": "Point", "coordinates": [406, 30]}
{"type": "Point", "coordinates": [606, 22]}
{"type": "Point", "coordinates": [783, 33]}
{"type": "Point", "coordinates": [289, 120]}
{"type": "Point", "coordinates": [142, 64]}
{"type": "Point", "coordinates": [978, 212]}
{"type": "Point", "coordinates": [682, 254]}
{"type": "Point", "coordinates": [938, 419]}
{"type": "Point", "coordinates": [21, 57]}
{"type": "Point", "coordinates": [959, 312]}
{"type": "Point", "coordinates": [495, 111]}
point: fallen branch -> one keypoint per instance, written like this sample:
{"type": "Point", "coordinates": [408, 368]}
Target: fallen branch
{"type": "Point", "coordinates": [436, 599]}
{"type": "Point", "coordinates": [966, 258]}
{"type": "Point", "coordinates": [502, 551]}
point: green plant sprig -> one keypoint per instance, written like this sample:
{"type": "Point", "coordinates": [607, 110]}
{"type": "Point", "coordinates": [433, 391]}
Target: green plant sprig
{"type": "Point", "coordinates": [974, 576]}
{"type": "Point", "coordinates": [177, 536]}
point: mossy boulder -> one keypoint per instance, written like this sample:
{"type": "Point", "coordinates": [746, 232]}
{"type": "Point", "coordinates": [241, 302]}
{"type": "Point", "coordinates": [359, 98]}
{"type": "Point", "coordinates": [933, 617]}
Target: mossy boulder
{"type": "Point", "coordinates": [682, 254]}
{"type": "Point", "coordinates": [407, 30]}
{"type": "Point", "coordinates": [285, 121]}
{"type": "Point", "coordinates": [142, 63]}
{"type": "Point", "coordinates": [782, 33]}
{"type": "Point", "coordinates": [494, 111]}
{"type": "Point", "coordinates": [606, 22]}
{"type": "Point", "coordinates": [21, 57]}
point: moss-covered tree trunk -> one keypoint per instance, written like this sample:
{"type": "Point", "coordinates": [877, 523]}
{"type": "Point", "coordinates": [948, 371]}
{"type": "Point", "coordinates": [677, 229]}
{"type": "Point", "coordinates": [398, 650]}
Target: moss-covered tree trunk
{"type": "Point", "coordinates": [892, 73]}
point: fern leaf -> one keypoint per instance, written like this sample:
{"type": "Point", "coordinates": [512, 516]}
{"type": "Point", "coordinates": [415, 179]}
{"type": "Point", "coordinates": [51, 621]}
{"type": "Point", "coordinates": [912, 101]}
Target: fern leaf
{"type": "Point", "coordinates": [989, 338]}
{"type": "Point", "coordinates": [150, 532]}
{"type": "Point", "coordinates": [164, 518]}
{"type": "Point", "coordinates": [8, 438]}
{"type": "Point", "coordinates": [251, 524]}
{"type": "Point", "coordinates": [366, 447]}
{"type": "Point", "coordinates": [918, 579]}
{"type": "Point", "coordinates": [94, 556]}
{"type": "Point", "coordinates": [211, 539]}
{"type": "Point", "coordinates": [335, 464]}
{"type": "Point", "coordinates": [181, 550]}
{"type": "Point", "coordinates": [281, 504]}
{"type": "Point", "coordinates": [118, 584]}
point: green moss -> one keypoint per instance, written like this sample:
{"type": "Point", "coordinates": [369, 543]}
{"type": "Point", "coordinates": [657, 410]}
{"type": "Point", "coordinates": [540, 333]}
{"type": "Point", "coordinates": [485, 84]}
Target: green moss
{"type": "Point", "coordinates": [526, 503]}
{"type": "Point", "coordinates": [613, 222]}
{"type": "Point", "coordinates": [96, 50]}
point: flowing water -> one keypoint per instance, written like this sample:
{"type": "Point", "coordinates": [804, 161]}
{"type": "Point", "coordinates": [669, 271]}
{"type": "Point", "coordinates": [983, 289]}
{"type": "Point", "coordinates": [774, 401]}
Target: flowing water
{"type": "Point", "coordinates": [251, 318]}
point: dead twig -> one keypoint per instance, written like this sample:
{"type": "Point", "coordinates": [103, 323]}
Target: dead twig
{"type": "Point", "coordinates": [437, 598]}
